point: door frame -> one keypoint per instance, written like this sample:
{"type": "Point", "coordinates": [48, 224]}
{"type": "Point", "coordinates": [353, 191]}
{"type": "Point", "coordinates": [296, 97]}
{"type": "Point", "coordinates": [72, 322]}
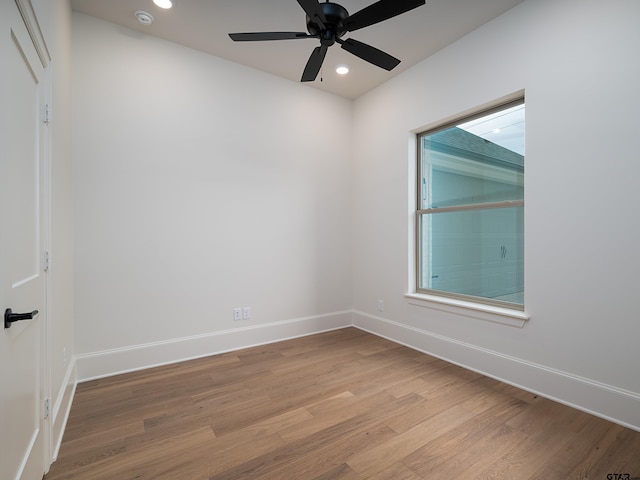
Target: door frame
{"type": "Point", "coordinates": [44, 149]}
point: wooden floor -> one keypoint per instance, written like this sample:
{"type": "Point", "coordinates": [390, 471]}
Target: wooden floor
{"type": "Point", "coordinates": [343, 405]}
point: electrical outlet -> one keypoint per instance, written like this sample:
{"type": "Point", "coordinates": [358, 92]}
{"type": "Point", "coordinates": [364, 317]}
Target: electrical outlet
{"type": "Point", "coordinates": [237, 313]}
{"type": "Point", "coordinates": [246, 313]}
{"type": "Point", "coordinates": [381, 305]}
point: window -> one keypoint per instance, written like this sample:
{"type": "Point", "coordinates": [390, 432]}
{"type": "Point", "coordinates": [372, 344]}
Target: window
{"type": "Point", "coordinates": [470, 208]}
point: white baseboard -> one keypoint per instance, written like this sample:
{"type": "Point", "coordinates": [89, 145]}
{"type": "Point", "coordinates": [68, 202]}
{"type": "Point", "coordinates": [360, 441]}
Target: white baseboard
{"type": "Point", "coordinates": [62, 407]}
{"type": "Point", "coordinates": [605, 401]}
{"type": "Point", "coordinates": [105, 363]}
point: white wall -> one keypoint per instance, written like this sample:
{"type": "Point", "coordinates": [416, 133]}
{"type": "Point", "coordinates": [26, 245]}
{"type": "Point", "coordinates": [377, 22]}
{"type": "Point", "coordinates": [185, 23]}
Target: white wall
{"type": "Point", "coordinates": [200, 186]}
{"type": "Point", "coordinates": [576, 62]}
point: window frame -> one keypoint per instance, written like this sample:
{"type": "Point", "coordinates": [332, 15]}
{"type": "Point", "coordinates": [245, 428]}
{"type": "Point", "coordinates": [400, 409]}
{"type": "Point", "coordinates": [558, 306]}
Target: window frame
{"type": "Point", "coordinates": [453, 298]}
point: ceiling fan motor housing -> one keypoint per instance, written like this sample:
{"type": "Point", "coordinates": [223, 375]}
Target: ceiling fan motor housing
{"type": "Point", "coordinates": [334, 15]}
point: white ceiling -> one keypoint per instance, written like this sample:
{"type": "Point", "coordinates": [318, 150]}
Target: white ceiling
{"type": "Point", "coordinates": [204, 25]}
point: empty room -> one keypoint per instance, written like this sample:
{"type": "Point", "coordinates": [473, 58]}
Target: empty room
{"type": "Point", "coordinates": [223, 259]}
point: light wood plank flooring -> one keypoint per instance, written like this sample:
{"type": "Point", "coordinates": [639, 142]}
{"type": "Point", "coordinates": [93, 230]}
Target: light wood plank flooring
{"type": "Point", "coordinates": [342, 405]}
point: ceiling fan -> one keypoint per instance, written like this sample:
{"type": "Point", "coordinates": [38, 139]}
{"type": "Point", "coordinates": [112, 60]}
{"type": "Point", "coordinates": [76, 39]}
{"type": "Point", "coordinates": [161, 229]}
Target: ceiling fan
{"type": "Point", "coordinates": [328, 22]}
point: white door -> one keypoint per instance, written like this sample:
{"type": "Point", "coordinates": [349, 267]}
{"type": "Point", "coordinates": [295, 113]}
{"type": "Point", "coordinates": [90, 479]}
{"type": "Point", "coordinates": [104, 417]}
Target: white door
{"type": "Point", "coordinates": [23, 135]}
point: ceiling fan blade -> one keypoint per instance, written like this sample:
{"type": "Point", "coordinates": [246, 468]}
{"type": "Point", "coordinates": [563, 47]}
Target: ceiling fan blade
{"type": "Point", "coordinates": [259, 36]}
{"type": "Point", "coordinates": [379, 11]}
{"type": "Point", "coordinates": [314, 64]}
{"type": "Point", "coordinates": [314, 11]}
{"type": "Point", "coordinates": [369, 53]}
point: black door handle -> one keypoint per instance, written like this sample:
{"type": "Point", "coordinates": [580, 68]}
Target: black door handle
{"type": "Point", "coordinates": [10, 317]}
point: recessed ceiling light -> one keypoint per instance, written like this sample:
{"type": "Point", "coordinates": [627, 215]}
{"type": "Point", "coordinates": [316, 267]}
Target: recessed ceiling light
{"type": "Point", "coordinates": [164, 3]}
{"type": "Point", "coordinates": [342, 69]}
{"type": "Point", "coordinates": [144, 18]}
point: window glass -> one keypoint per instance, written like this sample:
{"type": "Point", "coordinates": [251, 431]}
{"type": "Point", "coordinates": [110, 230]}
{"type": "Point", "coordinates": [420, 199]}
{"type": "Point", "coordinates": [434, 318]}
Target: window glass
{"type": "Point", "coordinates": [471, 208]}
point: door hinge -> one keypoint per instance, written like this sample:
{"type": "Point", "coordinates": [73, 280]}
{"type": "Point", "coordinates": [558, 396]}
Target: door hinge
{"type": "Point", "coordinates": [45, 115]}
{"type": "Point", "coordinates": [46, 261]}
{"type": "Point", "coordinates": [47, 407]}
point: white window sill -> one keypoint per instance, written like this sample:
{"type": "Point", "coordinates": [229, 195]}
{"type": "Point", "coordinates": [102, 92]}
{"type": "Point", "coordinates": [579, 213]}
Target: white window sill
{"type": "Point", "coordinates": [488, 313]}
